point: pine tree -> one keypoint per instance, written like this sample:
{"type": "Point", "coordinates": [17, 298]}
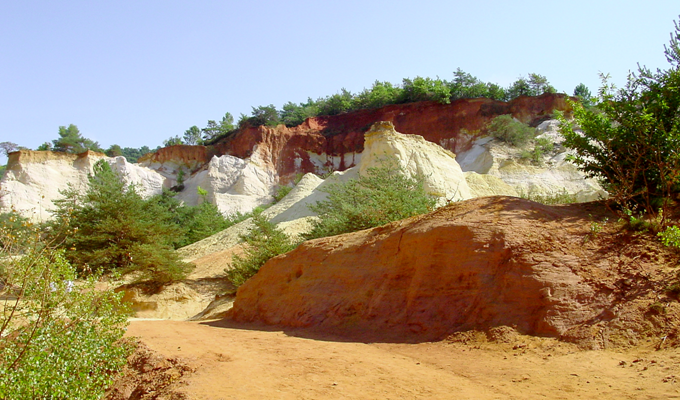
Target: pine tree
{"type": "Point", "coordinates": [112, 228]}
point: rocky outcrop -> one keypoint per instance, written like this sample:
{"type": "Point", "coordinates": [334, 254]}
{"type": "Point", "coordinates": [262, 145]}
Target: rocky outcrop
{"type": "Point", "coordinates": [241, 171]}
{"type": "Point", "coordinates": [333, 142]}
{"type": "Point", "coordinates": [34, 179]}
{"type": "Point", "coordinates": [477, 264]}
{"type": "Point", "coordinates": [437, 167]}
{"type": "Point", "coordinates": [551, 175]}
{"type": "Point", "coordinates": [233, 184]}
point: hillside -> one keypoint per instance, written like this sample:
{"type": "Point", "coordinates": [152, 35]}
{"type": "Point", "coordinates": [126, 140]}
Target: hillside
{"type": "Point", "coordinates": [243, 170]}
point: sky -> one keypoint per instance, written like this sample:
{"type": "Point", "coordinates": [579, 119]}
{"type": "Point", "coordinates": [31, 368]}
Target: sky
{"type": "Point", "coordinates": [135, 73]}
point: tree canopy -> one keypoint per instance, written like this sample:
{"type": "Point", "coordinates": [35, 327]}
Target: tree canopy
{"type": "Point", "coordinates": [71, 141]}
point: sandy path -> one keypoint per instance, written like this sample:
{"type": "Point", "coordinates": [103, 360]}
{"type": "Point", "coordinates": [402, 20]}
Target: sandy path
{"type": "Point", "coordinates": [246, 362]}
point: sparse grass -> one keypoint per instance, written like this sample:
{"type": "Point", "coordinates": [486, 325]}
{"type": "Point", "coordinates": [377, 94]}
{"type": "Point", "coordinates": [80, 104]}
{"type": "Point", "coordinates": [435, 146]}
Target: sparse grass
{"type": "Point", "coordinates": [562, 197]}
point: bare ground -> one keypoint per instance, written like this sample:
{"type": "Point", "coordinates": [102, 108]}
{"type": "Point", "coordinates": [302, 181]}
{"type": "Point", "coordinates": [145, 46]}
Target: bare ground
{"type": "Point", "coordinates": [236, 361]}
{"type": "Point", "coordinates": [223, 359]}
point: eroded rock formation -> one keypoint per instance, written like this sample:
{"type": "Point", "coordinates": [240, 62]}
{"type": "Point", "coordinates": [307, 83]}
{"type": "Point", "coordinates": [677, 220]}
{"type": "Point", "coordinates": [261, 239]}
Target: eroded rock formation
{"type": "Point", "coordinates": [242, 171]}
{"type": "Point", "coordinates": [35, 178]}
{"type": "Point", "coordinates": [477, 264]}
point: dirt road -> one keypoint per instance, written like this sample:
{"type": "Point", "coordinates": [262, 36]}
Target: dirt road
{"type": "Point", "coordinates": [256, 362]}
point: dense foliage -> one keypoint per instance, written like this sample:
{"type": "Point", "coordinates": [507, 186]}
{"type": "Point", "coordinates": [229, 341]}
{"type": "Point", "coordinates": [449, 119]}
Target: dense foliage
{"type": "Point", "coordinates": [59, 338]}
{"type": "Point", "coordinates": [112, 228]}
{"type": "Point", "coordinates": [384, 194]}
{"type": "Point", "coordinates": [194, 222]}
{"type": "Point", "coordinates": [511, 131]}
{"type": "Point", "coordinates": [630, 139]}
{"type": "Point", "coordinates": [262, 242]}
{"type": "Point", "coordinates": [463, 85]}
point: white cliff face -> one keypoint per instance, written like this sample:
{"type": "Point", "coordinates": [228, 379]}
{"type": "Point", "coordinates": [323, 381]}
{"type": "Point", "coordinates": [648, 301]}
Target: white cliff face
{"type": "Point", "coordinates": [233, 184]}
{"type": "Point", "coordinates": [552, 175]}
{"type": "Point", "coordinates": [441, 172]}
{"type": "Point", "coordinates": [34, 180]}
{"type": "Point", "coordinates": [147, 181]}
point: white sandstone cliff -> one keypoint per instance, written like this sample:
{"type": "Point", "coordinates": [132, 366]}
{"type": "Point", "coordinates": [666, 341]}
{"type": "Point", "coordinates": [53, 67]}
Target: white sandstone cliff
{"type": "Point", "coordinates": [34, 179]}
{"type": "Point", "coordinates": [552, 175]}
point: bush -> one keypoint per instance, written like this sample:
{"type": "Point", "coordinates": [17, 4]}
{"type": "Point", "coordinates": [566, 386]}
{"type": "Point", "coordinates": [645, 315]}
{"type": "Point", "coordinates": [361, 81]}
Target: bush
{"type": "Point", "coordinates": [511, 131]}
{"type": "Point", "coordinates": [282, 192]}
{"type": "Point", "coordinates": [561, 197]}
{"type": "Point", "coordinates": [59, 338]}
{"type": "Point", "coordinates": [630, 139]}
{"type": "Point", "coordinates": [194, 222]}
{"type": "Point", "coordinates": [671, 236]}
{"type": "Point", "coordinates": [383, 195]}
{"type": "Point", "coordinates": [111, 228]}
{"type": "Point", "coordinates": [263, 242]}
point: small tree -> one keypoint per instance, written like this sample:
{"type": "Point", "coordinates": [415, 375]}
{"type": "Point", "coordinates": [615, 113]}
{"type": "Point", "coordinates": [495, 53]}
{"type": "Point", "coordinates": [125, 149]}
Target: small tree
{"type": "Point", "coordinates": [265, 115]}
{"type": "Point", "coordinates": [8, 147]}
{"type": "Point", "coordinates": [114, 151]}
{"type": "Point", "coordinates": [173, 141]}
{"type": "Point", "coordinates": [583, 93]}
{"type": "Point", "coordinates": [192, 136]}
{"type": "Point", "coordinates": [71, 141]}
{"type": "Point", "coordinates": [59, 338]}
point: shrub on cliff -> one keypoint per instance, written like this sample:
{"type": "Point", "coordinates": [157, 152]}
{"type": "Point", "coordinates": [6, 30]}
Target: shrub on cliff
{"type": "Point", "coordinates": [59, 339]}
{"type": "Point", "coordinates": [630, 139]}
{"type": "Point", "coordinates": [383, 195]}
{"type": "Point", "coordinates": [111, 228]}
{"type": "Point", "coordinates": [511, 131]}
{"type": "Point", "coordinates": [194, 222]}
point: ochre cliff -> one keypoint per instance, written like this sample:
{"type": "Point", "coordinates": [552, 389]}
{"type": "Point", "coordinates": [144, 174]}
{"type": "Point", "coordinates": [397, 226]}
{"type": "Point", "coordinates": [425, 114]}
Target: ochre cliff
{"type": "Point", "coordinates": [335, 142]}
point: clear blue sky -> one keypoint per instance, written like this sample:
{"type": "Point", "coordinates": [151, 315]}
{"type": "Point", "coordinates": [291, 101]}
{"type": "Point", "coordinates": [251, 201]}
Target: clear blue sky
{"type": "Point", "coordinates": [135, 73]}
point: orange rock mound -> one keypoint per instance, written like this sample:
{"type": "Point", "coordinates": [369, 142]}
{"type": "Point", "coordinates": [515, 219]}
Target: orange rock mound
{"type": "Point", "coordinates": [477, 264]}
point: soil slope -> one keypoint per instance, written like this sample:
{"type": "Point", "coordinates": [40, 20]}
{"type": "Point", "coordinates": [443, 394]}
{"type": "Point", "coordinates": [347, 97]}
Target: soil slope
{"type": "Point", "coordinates": [477, 264]}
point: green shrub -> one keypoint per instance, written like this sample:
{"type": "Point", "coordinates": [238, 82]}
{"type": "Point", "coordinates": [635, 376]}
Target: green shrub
{"type": "Point", "coordinates": [282, 192]}
{"type": "Point", "coordinates": [630, 139]}
{"type": "Point", "coordinates": [383, 195]}
{"type": "Point", "coordinates": [507, 129]}
{"type": "Point", "coordinates": [542, 146]}
{"type": "Point", "coordinates": [263, 242]}
{"type": "Point", "coordinates": [59, 338]}
{"type": "Point", "coordinates": [671, 236]}
{"type": "Point", "coordinates": [111, 228]}
{"type": "Point", "coordinates": [194, 222]}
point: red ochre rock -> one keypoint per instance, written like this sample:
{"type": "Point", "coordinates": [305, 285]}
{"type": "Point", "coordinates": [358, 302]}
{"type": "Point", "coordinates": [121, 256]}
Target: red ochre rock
{"type": "Point", "coordinates": [289, 151]}
{"type": "Point", "coordinates": [477, 264]}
